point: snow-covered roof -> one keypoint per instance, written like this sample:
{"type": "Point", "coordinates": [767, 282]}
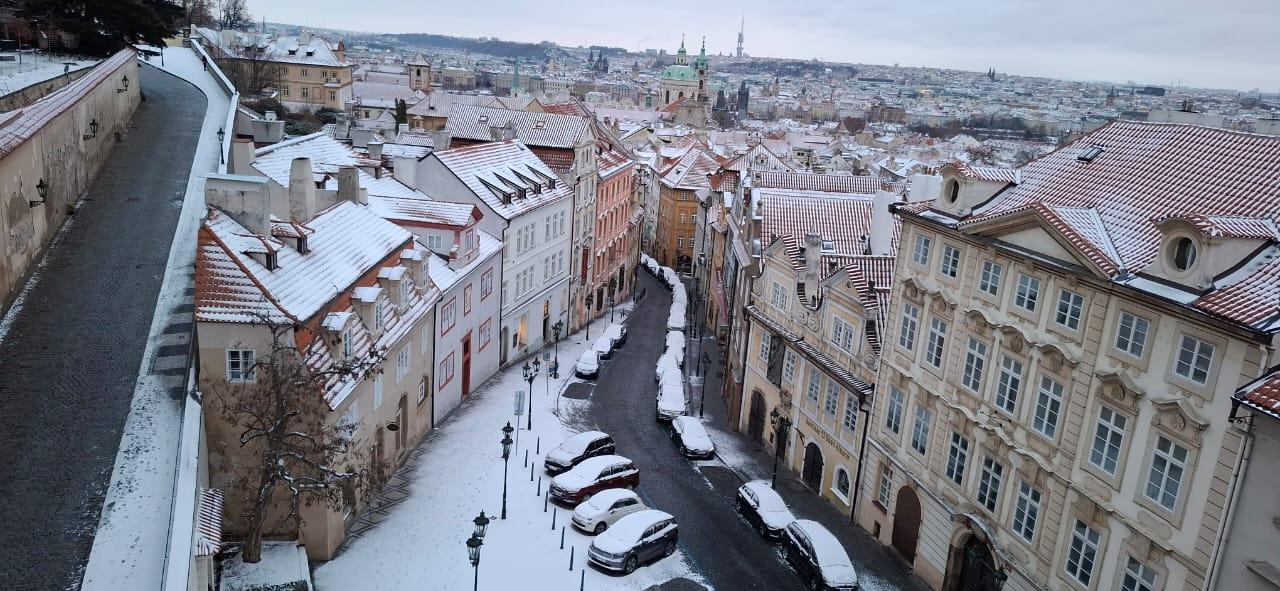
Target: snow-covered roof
{"type": "Point", "coordinates": [445, 277]}
{"type": "Point", "coordinates": [420, 210]}
{"type": "Point", "coordinates": [16, 127]}
{"type": "Point", "coordinates": [307, 49]}
{"type": "Point", "coordinates": [506, 175]}
{"type": "Point", "coordinates": [546, 130]}
{"type": "Point", "coordinates": [691, 171]}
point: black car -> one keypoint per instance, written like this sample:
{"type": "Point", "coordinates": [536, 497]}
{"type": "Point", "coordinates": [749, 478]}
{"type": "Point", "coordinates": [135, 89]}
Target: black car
{"type": "Point", "coordinates": [764, 509]}
{"type": "Point", "coordinates": [587, 444]}
{"type": "Point", "coordinates": [819, 557]}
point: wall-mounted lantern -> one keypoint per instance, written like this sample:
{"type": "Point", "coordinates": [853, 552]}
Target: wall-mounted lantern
{"type": "Point", "coordinates": [93, 130]}
{"type": "Point", "coordinates": [124, 81]}
{"type": "Point", "coordinates": [42, 189]}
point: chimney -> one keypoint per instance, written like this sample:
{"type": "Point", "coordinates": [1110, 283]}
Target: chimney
{"type": "Point", "coordinates": [242, 155]}
{"type": "Point", "coordinates": [302, 190]}
{"type": "Point", "coordinates": [882, 223]}
{"type": "Point", "coordinates": [440, 139]}
{"type": "Point", "coordinates": [405, 170]}
{"type": "Point", "coordinates": [360, 137]}
{"type": "Point", "coordinates": [812, 263]}
{"type": "Point", "coordinates": [401, 129]}
{"type": "Point", "coordinates": [349, 185]}
{"type": "Point", "coordinates": [375, 150]}
{"type": "Point", "coordinates": [924, 187]}
{"type": "Point", "coordinates": [246, 199]}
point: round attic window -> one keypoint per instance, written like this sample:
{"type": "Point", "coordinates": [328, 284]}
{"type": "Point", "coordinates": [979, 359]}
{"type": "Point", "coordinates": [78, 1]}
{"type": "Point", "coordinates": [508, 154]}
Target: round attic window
{"type": "Point", "coordinates": [1183, 253]}
{"type": "Point", "coordinates": [951, 192]}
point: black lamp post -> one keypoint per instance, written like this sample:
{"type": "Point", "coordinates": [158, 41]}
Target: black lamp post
{"type": "Point", "coordinates": [702, 404]}
{"type": "Point", "coordinates": [222, 156]}
{"type": "Point", "coordinates": [473, 552]}
{"type": "Point", "coordinates": [529, 375]}
{"type": "Point", "coordinates": [554, 370]}
{"type": "Point", "coordinates": [591, 298]}
{"type": "Point", "coordinates": [610, 308]}
{"type": "Point", "coordinates": [93, 130]}
{"type": "Point", "coordinates": [506, 454]}
{"type": "Point", "coordinates": [781, 425]}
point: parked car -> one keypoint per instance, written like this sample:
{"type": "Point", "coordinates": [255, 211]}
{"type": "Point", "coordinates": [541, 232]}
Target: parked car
{"type": "Point", "coordinates": [675, 346]}
{"type": "Point", "coordinates": [670, 276]}
{"type": "Point", "coordinates": [616, 333]}
{"type": "Point", "coordinates": [679, 295]}
{"type": "Point", "coordinates": [577, 448]}
{"type": "Point", "coordinates": [671, 402]}
{"type": "Point", "coordinates": [675, 318]}
{"type": "Point", "coordinates": [591, 476]}
{"type": "Point", "coordinates": [761, 506]}
{"type": "Point", "coordinates": [665, 362]}
{"type": "Point", "coordinates": [603, 347]}
{"type": "Point", "coordinates": [671, 375]}
{"type": "Point", "coordinates": [635, 539]}
{"type": "Point", "coordinates": [692, 438]}
{"type": "Point", "coordinates": [819, 557]}
{"type": "Point", "coordinates": [605, 508]}
{"type": "Point", "coordinates": [588, 366]}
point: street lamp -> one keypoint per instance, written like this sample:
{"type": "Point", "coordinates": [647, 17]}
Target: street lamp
{"type": "Point", "coordinates": [529, 374]}
{"type": "Point", "coordinates": [591, 298]}
{"type": "Point", "coordinates": [610, 300]}
{"type": "Point", "coordinates": [781, 424]}
{"type": "Point", "coordinates": [506, 454]}
{"type": "Point", "coordinates": [482, 525]}
{"type": "Point", "coordinates": [42, 189]}
{"type": "Point", "coordinates": [222, 156]}
{"type": "Point", "coordinates": [554, 370]}
{"type": "Point", "coordinates": [702, 403]}
{"type": "Point", "coordinates": [473, 552]}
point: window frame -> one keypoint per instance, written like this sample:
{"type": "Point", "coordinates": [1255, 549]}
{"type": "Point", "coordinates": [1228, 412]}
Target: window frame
{"type": "Point", "coordinates": [921, 250]}
{"type": "Point", "coordinates": [1059, 399]}
{"type": "Point", "coordinates": [1019, 299]}
{"type": "Point", "coordinates": [1215, 345]}
{"type": "Point", "coordinates": [1074, 301]}
{"type": "Point", "coordinates": [1122, 430]}
{"type": "Point", "coordinates": [935, 353]}
{"type": "Point", "coordinates": [1127, 355]}
{"type": "Point", "coordinates": [247, 373]}
{"type": "Point", "coordinates": [1187, 467]}
{"type": "Point", "coordinates": [894, 407]}
{"type": "Point", "coordinates": [990, 482]}
{"type": "Point", "coordinates": [884, 487]}
{"type": "Point", "coordinates": [1026, 511]}
{"type": "Point", "coordinates": [911, 313]}
{"type": "Point", "coordinates": [972, 374]}
{"type": "Point", "coordinates": [991, 274]}
{"type": "Point", "coordinates": [923, 417]}
{"type": "Point", "coordinates": [957, 458]}
{"type": "Point", "coordinates": [950, 262]}
{"type": "Point", "coordinates": [1002, 384]}
{"type": "Point", "coordinates": [1093, 546]}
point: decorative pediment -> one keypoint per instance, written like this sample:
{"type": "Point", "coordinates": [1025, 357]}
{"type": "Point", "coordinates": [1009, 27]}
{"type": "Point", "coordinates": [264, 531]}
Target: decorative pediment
{"type": "Point", "coordinates": [1056, 357]}
{"type": "Point", "coordinates": [1118, 389]}
{"type": "Point", "coordinates": [1177, 417]}
{"type": "Point", "coordinates": [978, 320]}
{"type": "Point", "coordinates": [1089, 511]}
{"type": "Point", "coordinates": [1014, 339]}
{"type": "Point", "coordinates": [1144, 549]}
{"type": "Point", "coordinates": [913, 289]}
{"type": "Point", "coordinates": [942, 304]}
{"type": "Point", "coordinates": [1050, 232]}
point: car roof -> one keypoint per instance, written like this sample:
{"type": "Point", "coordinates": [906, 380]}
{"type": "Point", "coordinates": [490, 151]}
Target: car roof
{"type": "Point", "coordinates": [598, 463]}
{"type": "Point", "coordinates": [768, 498]}
{"type": "Point", "coordinates": [829, 550]}
{"type": "Point", "coordinates": [602, 344]}
{"type": "Point", "coordinates": [613, 329]}
{"type": "Point", "coordinates": [630, 527]}
{"type": "Point", "coordinates": [592, 352]}
{"type": "Point", "coordinates": [610, 496]}
{"type": "Point", "coordinates": [579, 442]}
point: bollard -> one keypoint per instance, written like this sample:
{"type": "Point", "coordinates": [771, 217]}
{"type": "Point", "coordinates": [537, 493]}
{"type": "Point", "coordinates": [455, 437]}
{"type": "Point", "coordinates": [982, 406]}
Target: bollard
{"type": "Point", "coordinates": [538, 491]}
{"type": "Point", "coordinates": [544, 503]}
{"type": "Point", "coordinates": [571, 549]}
{"type": "Point", "coordinates": [562, 537]}
{"type": "Point", "coordinates": [538, 447]}
{"type": "Point", "coordinates": [553, 518]}
{"type": "Point", "coordinates": [526, 458]}
{"type": "Point", "coordinates": [530, 473]}
{"type": "Point", "coordinates": [582, 584]}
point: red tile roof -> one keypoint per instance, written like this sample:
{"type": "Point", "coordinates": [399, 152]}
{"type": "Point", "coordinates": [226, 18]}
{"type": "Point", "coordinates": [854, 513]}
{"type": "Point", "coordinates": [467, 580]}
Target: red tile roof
{"type": "Point", "coordinates": [1263, 394]}
{"type": "Point", "coordinates": [807, 181]}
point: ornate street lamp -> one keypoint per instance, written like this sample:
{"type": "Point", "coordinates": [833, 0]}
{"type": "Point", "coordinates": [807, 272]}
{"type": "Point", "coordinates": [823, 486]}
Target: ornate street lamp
{"type": "Point", "coordinates": [529, 375]}
{"type": "Point", "coordinates": [42, 189]}
{"type": "Point", "coordinates": [506, 454]}
{"type": "Point", "coordinates": [473, 552]}
{"type": "Point", "coordinates": [554, 370]}
{"type": "Point", "coordinates": [222, 156]}
{"type": "Point", "coordinates": [482, 525]}
{"type": "Point", "coordinates": [93, 130]}
{"type": "Point", "coordinates": [781, 425]}
{"type": "Point", "coordinates": [125, 82]}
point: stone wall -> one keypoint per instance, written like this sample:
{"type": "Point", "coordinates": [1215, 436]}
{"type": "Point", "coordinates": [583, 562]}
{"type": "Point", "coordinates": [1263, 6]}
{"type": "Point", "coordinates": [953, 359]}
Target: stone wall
{"type": "Point", "coordinates": [51, 140]}
{"type": "Point", "coordinates": [30, 94]}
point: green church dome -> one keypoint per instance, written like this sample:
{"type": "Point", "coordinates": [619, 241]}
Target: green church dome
{"type": "Point", "coordinates": [678, 72]}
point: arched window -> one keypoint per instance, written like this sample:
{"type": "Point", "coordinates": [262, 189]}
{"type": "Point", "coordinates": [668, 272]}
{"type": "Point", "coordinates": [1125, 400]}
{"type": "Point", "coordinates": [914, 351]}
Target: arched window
{"type": "Point", "coordinates": [842, 481]}
{"type": "Point", "coordinates": [1184, 253]}
{"type": "Point", "coordinates": [952, 191]}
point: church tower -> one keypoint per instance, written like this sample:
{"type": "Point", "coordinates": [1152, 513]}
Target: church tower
{"type": "Point", "coordinates": [703, 67]}
{"type": "Point", "coordinates": [682, 56]}
{"type": "Point", "coordinates": [741, 27]}
{"type": "Point", "coordinates": [420, 73]}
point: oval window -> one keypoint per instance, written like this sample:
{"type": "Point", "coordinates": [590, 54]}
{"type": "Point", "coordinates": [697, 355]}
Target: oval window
{"type": "Point", "coordinates": [1184, 253]}
{"type": "Point", "coordinates": [952, 192]}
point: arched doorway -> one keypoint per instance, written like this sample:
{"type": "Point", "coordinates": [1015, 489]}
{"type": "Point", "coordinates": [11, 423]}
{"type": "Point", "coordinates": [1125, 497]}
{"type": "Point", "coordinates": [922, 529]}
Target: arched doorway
{"type": "Point", "coordinates": [755, 419]}
{"type": "Point", "coordinates": [906, 523]}
{"type": "Point", "coordinates": [976, 568]}
{"type": "Point", "coordinates": [812, 471]}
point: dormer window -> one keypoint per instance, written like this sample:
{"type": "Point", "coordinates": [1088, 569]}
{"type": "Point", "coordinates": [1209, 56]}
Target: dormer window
{"type": "Point", "coordinates": [1182, 255]}
{"type": "Point", "coordinates": [348, 336]}
{"type": "Point", "coordinates": [378, 313]}
{"type": "Point", "coordinates": [951, 192]}
{"type": "Point", "coordinates": [1088, 154]}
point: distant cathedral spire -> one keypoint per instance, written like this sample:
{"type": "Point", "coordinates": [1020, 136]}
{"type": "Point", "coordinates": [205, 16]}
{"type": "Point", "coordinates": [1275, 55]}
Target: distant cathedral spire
{"type": "Point", "coordinates": [741, 28]}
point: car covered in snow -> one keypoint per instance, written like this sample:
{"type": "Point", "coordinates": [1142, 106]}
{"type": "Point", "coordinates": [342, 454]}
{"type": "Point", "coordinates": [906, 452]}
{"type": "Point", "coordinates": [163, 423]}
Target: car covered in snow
{"type": "Point", "coordinates": [819, 557]}
{"type": "Point", "coordinates": [591, 476]}
{"type": "Point", "coordinates": [679, 295]}
{"type": "Point", "coordinates": [605, 508]}
{"type": "Point", "coordinates": [635, 539]}
{"type": "Point", "coordinates": [665, 362]}
{"type": "Point", "coordinates": [675, 346]}
{"type": "Point", "coordinates": [761, 506]}
{"type": "Point", "coordinates": [691, 437]}
{"type": "Point", "coordinates": [588, 366]}
{"type": "Point", "coordinates": [671, 401]}
{"type": "Point", "coordinates": [603, 346]}
{"type": "Point", "coordinates": [669, 277]}
{"type": "Point", "coordinates": [616, 333]}
{"type": "Point", "coordinates": [577, 448]}
{"type": "Point", "coordinates": [675, 318]}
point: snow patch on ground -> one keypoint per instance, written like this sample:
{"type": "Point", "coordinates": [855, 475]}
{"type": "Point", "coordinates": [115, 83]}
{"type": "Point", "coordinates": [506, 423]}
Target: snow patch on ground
{"type": "Point", "coordinates": [420, 545]}
{"type": "Point", "coordinates": [283, 563]}
{"type": "Point", "coordinates": [36, 68]}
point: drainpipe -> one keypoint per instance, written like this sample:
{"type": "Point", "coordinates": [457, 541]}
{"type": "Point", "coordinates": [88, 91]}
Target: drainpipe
{"type": "Point", "coordinates": [862, 455]}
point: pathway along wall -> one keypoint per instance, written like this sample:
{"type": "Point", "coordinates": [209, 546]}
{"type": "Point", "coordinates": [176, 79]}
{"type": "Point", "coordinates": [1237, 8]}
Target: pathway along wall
{"type": "Point", "coordinates": [52, 140]}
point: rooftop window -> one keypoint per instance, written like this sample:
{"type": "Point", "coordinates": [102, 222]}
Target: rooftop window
{"type": "Point", "coordinates": [1088, 154]}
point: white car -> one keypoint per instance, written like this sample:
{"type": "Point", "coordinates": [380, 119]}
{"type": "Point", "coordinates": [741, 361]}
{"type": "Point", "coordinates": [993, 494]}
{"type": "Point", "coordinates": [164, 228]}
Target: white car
{"type": "Point", "coordinates": [667, 361]}
{"type": "Point", "coordinates": [588, 366]}
{"type": "Point", "coordinates": [605, 508]}
{"type": "Point", "coordinates": [764, 509]}
{"type": "Point", "coordinates": [603, 347]}
{"type": "Point", "coordinates": [617, 333]}
{"type": "Point", "coordinates": [671, 402]}
{"type": "Point", "coordinates": [679, 296]}
{"type": "Point", "coordinates": [692, 438]}
{"type": "Point", "coordinates": [675, 346]}
{"type": "Point", "coordinates": [671, 277]}
{"type": "Point", "coordinates": [635, 539]}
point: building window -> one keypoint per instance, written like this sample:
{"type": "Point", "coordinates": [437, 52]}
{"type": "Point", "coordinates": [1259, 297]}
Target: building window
{"type": "Point", "coordinates": [920, 254]}
{"type": "Point", "coordinates": [975, 360]}
{"type": "Point", "coordinates": [1107, 439]}
{"type": "Point", "coordinates": [426, 338]}
{"type": "Point", "coordinates": [851, 413]}
{"type": "Point", "coordinates": [989, 484]}
{"type": "Point", "coordinates": [789, 366]}
{"type": "Point", "coordinates": [989, 282]}
{"type": "Point", "coordinates": [422, 391]}
{"type": "Point", "coordinates": [351, 418]}
{"type": "Point", "coordinates": [1028, 292]}
{"type": "Point", "coordinates": [764, 348]}
{"type": "Point", "coordinates": [1131, 334]}
{"type": "Point", "coordinates": [347, 338]}
{"type": "Point", "coordinates": [486, 284]}
{"type": "Point", "coordinates": [1168, 465]}
{"type": "Point", "coordinates": [910, 321]}
{"type": "Point", "coordinates": [815, 386]}
{"type": "Point", "coordinates": [842, 334]}
{"type": "Point", "coordinates": [306, 90]}
{"type": "Point", "coordinates": [378, 313]}
{"type": "Point", "coordinates": [1084, 550]}
{"type": "Point", "coordinates": [1138, 577]}
{"type": "Point", "coordinates": [402, 362]}
{"type": "Point", "coordinates": [832, 401]}
{"type": "Point", "coordinates": [446, 371]}
{"type": "Point", "coordinates": [920, 432]}
{"type": "Point", "coordinates": [885, 490]}
{"type": "Point", "coordinates": [950, 265]}
{"type": "Point", "coordinates": [1048, 407]}
{"type": "Point", "coordinates": [842, 482]}
{"type": "Point", "coordinates": [957, 456]}
{"type": "Point", "coordinates": [1009, 384]}
{"type": "Point", "coordinates": [893, 410]}
{"type": "Point", "coordinates": [680, 243]}
{"type": "Point", "coordinates": [377, 392]}
{"type": "Point", "coordinates": [1070, 305]}
{"type": "Point", "coordinates": [937, 343]}
{"type": "Point", "coordinates": [448, 315]}
{"type": "Point", "coordinates": [466, 300]}
{"type": "Point", "coordinates": [1027, 511]}
{"type": "Point", "coordinates": [240, 369]}
{"type": "Point", "coordinates": [1194, 358]}
{"type": "Point", "coordinates": [779, 296]}
{"type": "Point", "coordinates": [486, 332]}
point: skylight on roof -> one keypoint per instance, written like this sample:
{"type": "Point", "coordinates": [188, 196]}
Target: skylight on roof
{"type": "Point", "coordinates": [1089, 153]}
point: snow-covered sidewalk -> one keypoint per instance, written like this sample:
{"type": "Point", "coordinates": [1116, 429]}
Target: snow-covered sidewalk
{"type": "Point", "coordinates": [420, 544]}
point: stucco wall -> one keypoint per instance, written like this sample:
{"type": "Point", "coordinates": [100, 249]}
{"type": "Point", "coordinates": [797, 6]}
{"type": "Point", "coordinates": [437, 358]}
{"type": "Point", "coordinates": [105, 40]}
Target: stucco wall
{"type": "Point", "coordinates": [22, 97]}
{"type": "Point", "coordinates": [46, 141]}
{"type": "Point", "coordinates": [1255, 532]}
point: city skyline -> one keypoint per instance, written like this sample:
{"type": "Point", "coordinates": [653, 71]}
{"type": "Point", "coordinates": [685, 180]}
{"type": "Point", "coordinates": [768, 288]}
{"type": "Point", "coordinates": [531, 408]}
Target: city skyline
{"type": "Point", "coordinates": [1176, 46]}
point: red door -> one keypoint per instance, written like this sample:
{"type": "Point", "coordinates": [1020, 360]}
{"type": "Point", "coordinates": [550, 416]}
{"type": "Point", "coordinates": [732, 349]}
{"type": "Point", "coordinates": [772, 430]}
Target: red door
{"type": "Point", "coordinates": [466, 365]}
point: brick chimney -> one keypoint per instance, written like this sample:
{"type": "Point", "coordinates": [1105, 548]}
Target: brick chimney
{"type": "Point", "coordinates": [375, 150]}
{"type": "Point", "coordinates": [302, 190]}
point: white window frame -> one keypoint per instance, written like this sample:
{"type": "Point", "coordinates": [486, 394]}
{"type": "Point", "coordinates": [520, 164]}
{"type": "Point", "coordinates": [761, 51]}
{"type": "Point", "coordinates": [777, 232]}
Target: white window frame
{"type": "Point", "coordinates": [949, 264]}
{"type": "Point", "coordinates": [402, 362]}
{"type": "Point", "coordinates": [975, 361]}
{"type": "Point", "coordinates": [989, 483]}
{"type": "Point", "coordinates": [1108, 440]}
{"type": "Point", "coordinates": [910, 324]}
{"type": "Point", "coordinates": [1070, 309]}
{"type": "Point", "coordinates": [788, 366]}
{"type": "Point", "coordinates": [920, 431]}
{"type": "Point", "coordinates": [1137, 576]}
{"type": "Point", "coordinates": [1026, 513]}
{"type": "Point", "coordinates": [885, 487]}
{"type": "Point", "coordinates": [1161, 475]}
{"type": "Point", "coordinates": [850, 421]}
{"type": "Point", "coordinates": [377, 392]}
{"type": "Point", "coordinates": [378, 312]}
{"type": "Point", "coordinates": [1197, 352]}
{"type": "Point", "coordinates": [778, 297]}
{"type": "Point", "coordinates": [1082, 554]}
{"type": "Point", "coordinates": [814, 390]}
{"type": "Point", "coordinates": [992, 275]}
{"type": "Point", "coordinates": [920, 251]}
{"type": "Point", "coordinates": [240, 366]}
{"type": "Point", "coordinates": [935, 351]}
{"type": "Point", "coordinates": [1009, 385]}
{"type": "Point", "coordinates": [831, 403]}
{"type": "Point", "coordinates": [957, 458]}
{"type": "Point", "coordinates": [893, 410]}
{"type": "Point", "coordinates": [1027, 295]}
{"type": "Point", "coordinates": [1128, 329]}
{"type": "Point", "coordinates": [1048, 410]}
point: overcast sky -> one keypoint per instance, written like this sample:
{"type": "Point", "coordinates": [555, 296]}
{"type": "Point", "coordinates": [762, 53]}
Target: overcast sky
{"type": "Point", "coordinates": [1205, 43]}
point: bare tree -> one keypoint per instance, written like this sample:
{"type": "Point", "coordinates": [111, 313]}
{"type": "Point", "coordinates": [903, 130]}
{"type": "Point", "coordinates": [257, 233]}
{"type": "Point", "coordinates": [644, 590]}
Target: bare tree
{"type": "Point", "coordinates": [199, 12]}
{"type": "Point", "coordinates": [253, 69]}
{"type": "Point", "coordinates": [282, 450]}
{"type": "Point", "coordinates": [233, 14]}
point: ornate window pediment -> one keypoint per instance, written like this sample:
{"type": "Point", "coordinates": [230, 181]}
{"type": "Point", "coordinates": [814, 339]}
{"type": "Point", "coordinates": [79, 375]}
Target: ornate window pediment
{"type": "Point", "coordinates": [1014, 339]}
{"type": "Point", "coordinates": [1118, 389]}
{"type": "Point", "coordinates": [979, 321]}
{"type": "Point", "coordinates": [1088, 511]}
{"type": "Point", "coordinates": [1177, 417]}
{"type": "Point", "coordinates": [913, 290]}
{"type": "Point", "coordinates": [1056, 357]}
{"type": "Point", "coordinates": [1144, 549]}
{"type": "Point", "coordinates": [942, 304]}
